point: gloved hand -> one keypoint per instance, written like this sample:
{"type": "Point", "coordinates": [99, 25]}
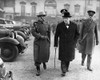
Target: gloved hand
{"type": "Point", "coordinates": [80, 41]}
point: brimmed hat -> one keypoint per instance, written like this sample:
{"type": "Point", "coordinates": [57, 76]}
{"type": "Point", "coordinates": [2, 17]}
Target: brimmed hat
{"type": "Point", "coordinates": [63, 11]}
{"type": "Point", "coordinates": [66, 15]}
{"type": "Point", "coordinates": [41, 14]}
{"type": "Point", "coordinates": [89, 11]}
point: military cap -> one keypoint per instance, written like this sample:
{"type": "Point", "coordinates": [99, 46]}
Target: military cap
{"type": "Point", "coordinates": [63, 11]}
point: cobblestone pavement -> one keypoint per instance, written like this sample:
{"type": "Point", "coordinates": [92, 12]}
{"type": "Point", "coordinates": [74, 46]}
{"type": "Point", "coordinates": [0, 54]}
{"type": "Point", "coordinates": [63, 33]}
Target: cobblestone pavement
{"type": "Point", "coordinates": [23, 67]}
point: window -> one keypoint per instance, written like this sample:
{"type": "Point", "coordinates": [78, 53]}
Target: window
{"type": "Point", "coordinates": [89, 2]}
{"type": "Point", "coordinates": [8, 3]}
{"type": "Point", "coordinates": [22, 8]}
{"type": "Point", "coordinates": [77, 8]}
{"type": "Point", "coordinates": [33, 8]}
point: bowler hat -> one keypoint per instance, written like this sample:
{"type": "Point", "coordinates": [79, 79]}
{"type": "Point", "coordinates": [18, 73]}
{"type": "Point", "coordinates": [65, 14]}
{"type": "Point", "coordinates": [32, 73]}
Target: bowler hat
{"type": "Point", "coordinates": [66, 15]}
{"type": "Point", "coordinates": [41, 14]}
{"type": "Point", "coordinates": [63, 11]}
{"type": "Point", "coordinates": [89, 11]}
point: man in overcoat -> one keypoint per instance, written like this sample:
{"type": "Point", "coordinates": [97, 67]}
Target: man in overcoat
{"type": "Point", "coordinates": [67, 35]}
{"type": "Point", "coordinates": [88, 38]}
{"type": "Point", "coordinates": [41, 32]}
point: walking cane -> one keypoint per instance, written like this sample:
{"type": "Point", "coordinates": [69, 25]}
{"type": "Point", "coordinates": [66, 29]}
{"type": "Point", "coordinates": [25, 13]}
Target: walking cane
{"type": "Point", "coordinates": [55, 59]}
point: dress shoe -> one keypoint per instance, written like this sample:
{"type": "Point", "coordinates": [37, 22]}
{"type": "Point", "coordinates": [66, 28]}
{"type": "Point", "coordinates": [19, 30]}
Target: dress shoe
{"type": "Point", "coordinates": [38, 70]}
{"type": "Point", "coordinates": [38, 73]}
{"type": "Point", "coordinates": [89, 69]}
{"type": "Point", "coordinates": [63, 74]}
{"type": "Point", "coordinates": [44, 66]}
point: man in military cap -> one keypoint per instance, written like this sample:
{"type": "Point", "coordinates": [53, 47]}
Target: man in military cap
{"type": "Point", "coordinates": [88, 38]}
{"type": "Point", "coordinates": [63, 11]}
{"type": "Point", "coordinates": [54, 25]}
{"type": "Point", "coordinates": [67, 34]}
{"type": "Point", "coordinates": [41, 32]}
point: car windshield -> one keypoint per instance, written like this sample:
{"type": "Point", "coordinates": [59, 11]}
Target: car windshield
{"type": "Point", "coordinates": [2, 21]}
{"type": "Point", "coordinates": [8, 22]}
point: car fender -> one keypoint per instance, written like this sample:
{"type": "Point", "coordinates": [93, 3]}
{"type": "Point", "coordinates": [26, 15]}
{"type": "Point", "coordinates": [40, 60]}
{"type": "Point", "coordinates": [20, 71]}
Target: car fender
{"type": "Point", "coordinates": [9, 39]}
{"type": "Point", "coordinates": [22, 34]}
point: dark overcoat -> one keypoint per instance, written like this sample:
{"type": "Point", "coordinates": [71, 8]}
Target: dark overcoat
{"type": "Point", "coordinates": [67, 38]}
{"type": "Point", "coordinates": [90, 27]}
{"type": "Point", "coordinates": [41, 45]}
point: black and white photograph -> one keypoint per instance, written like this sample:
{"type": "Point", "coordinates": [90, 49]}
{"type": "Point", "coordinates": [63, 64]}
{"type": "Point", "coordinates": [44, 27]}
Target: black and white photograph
{"type": "Point", "coordinates": [49, 39]}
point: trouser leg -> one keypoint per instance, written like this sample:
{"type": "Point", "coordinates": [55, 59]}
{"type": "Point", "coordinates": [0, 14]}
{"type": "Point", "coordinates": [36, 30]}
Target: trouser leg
{"type": "Point", "coordinates": [67, 65]}
{"type": "Point", "coordinates": [44, 65]}
{"type": "Point", "coordinates": [37, 64]}
{"type": "Point", "coordinates": [89, 57]}
{"type": "Point", "coordinates": [83, 58]}
{"type": "Point", "coordinates": [63, 66]}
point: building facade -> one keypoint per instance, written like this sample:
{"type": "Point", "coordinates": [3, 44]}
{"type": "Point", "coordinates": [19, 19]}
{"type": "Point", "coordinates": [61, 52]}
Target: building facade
{"type": "Point", "coordinates": [9, 8]}
{"type": "Point", "coordinates": [28, 9]}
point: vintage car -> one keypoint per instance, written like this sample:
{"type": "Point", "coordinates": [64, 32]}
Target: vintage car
{"type": "Point", "coordinates": [23, 29]}
{"type": "Point", "coordinates": [5, 23]}
{"type": "Point", "coordinates": [10, 47]}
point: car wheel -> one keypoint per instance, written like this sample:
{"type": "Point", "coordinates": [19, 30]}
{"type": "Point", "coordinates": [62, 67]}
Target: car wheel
{"type": "Point", "coordinates": [9, 52]}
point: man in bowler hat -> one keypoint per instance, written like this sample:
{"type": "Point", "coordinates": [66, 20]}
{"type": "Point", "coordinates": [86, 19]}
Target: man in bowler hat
{"type": "Point", "coordinates": [67, 35]}
{"type": "Point", "coordinates": [88, 38]}
{"type": "Point", "coordinates": [41, 32]}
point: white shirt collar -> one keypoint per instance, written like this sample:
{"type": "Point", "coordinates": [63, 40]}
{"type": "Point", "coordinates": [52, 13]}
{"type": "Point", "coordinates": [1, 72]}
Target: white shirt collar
{"type": "Point", "coordinates": [67, 26]}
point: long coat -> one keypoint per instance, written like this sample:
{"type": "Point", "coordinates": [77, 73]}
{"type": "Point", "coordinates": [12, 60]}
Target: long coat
{"type": "Point", "coordinates": [88, 43]}
{"type": "Point", "coordinates": [67, 40]}
{"type": "Point", "coordinates": [41, 46]}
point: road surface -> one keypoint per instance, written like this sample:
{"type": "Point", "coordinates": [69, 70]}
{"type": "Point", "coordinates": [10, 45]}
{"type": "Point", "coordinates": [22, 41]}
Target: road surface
{"type": "Point", "coordinates": [23, 67]}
